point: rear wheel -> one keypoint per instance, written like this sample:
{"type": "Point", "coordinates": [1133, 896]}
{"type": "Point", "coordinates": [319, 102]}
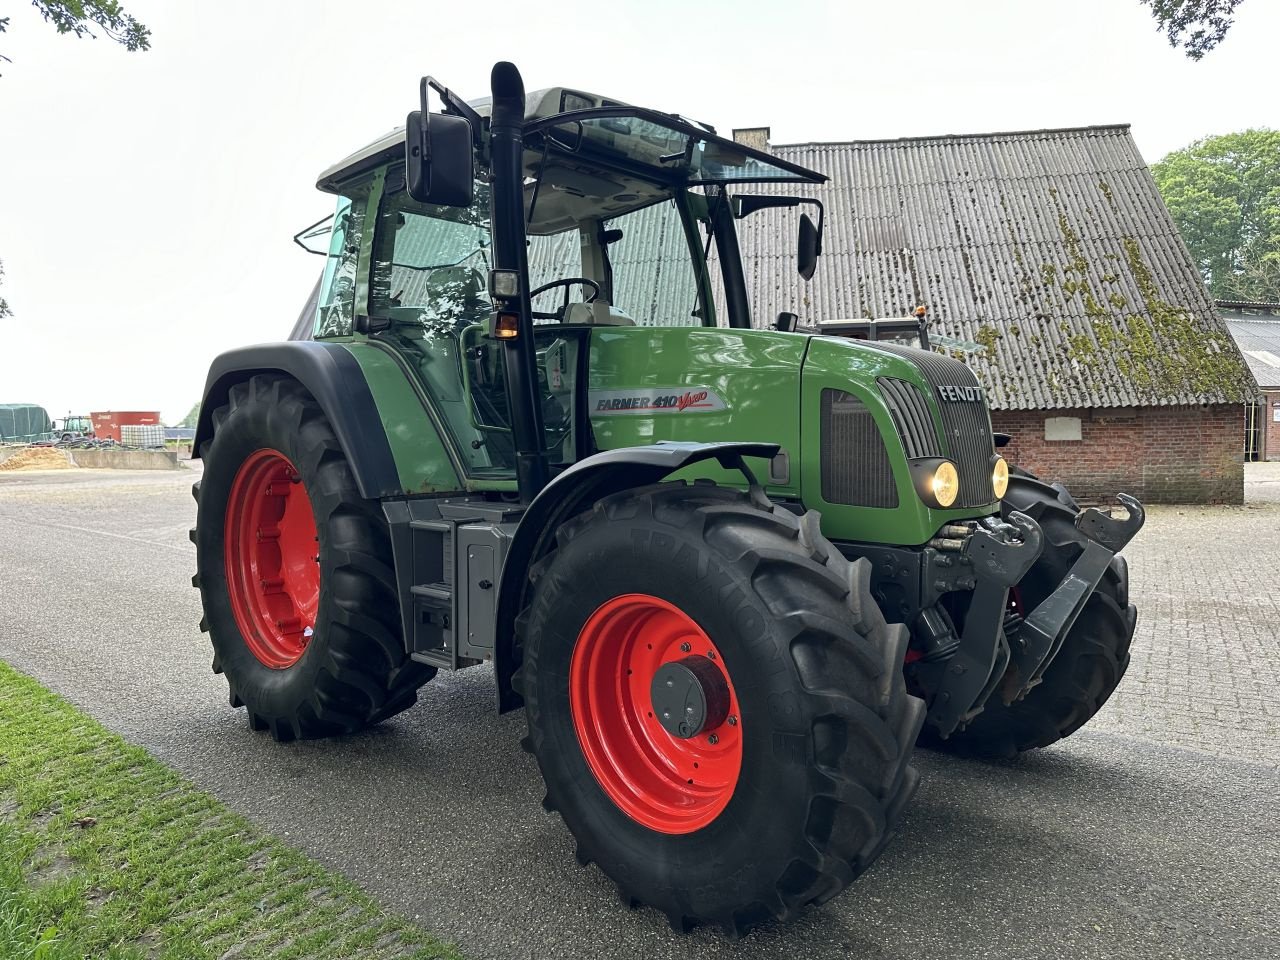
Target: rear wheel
{"type": "Point", "coordinates": [295, 571]}
{"type": "Point", "coordinates": [1094, 655]}
{"type": "Point", "coordinates": [716, 704]}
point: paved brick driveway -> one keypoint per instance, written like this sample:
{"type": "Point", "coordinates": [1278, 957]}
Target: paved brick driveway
{"type": "Point", "coordinates": [1206, 657]}
{"type": "Point", "coordinates": [1151, 834]}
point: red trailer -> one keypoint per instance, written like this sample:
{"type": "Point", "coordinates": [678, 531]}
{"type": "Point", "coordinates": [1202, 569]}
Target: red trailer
{"type": "Point", "coordinates": [106, 425]}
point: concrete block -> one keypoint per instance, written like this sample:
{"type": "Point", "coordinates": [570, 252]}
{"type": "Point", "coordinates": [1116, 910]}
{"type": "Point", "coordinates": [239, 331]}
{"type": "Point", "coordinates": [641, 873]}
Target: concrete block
{"type": "Point", "coordinates": [107, 459]}
{"type": "Point", "coordinates": [1062, 428]}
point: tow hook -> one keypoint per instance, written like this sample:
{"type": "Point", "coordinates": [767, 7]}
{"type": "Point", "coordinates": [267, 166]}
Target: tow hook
{"type": "Point", "coordinates": [1106, 530]}
{"type": "Point", "coordinates": [968, 678]}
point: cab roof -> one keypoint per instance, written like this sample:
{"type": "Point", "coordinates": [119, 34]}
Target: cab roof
{"type": "Point", "coordinates": [611, 132]}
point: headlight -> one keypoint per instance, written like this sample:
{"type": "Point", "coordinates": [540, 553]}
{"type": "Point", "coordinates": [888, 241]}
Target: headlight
{"type": "Point", "coordinates": [937, 481]}
{"type": "Point", "coordinates": [999, 476]}
{"type": "Point", "coordinates": [946, 483]}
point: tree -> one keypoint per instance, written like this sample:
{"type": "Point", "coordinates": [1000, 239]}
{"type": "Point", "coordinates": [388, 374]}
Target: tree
{"type": "Point", "coordinates": [1195, 25]}
{"type": "Point", "coordinates": [192, 418]}
{"type": "Point", "coordinates": [1224, 194]}
{"type": "Point", "coordinates": [85, 18]}
{"type": "Point", "coordinates": [4, 304]}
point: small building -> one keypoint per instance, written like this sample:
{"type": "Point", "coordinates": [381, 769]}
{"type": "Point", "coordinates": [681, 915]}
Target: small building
{"type": "Point", "coordinates": [1255, 327]}
{"type": "Point", "coordinates": [1102, 354]}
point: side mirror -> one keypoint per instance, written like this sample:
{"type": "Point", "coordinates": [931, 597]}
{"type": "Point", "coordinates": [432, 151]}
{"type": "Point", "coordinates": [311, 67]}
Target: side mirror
{"type": "Point", "coordinates": [807, 247]}
{"type": "Point", "coordinates": [786, 322]}
{"type": "Point", "coordinates": [438, 163]}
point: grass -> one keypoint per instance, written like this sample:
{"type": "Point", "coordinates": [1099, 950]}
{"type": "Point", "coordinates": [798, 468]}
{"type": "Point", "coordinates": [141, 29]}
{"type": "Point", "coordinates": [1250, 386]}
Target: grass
{"type": "Point", "coordinates": [107, 853]}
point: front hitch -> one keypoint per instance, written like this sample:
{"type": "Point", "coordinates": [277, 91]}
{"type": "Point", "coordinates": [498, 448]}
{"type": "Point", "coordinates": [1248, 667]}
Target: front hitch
{"type": "Point", "coordinates": [963, 683]}
{"type": "Point", "coordinates": [1046, 627]}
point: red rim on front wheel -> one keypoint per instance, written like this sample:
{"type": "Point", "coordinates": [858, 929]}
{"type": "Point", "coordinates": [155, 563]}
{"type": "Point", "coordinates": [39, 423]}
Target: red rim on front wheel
{"type": "Point", "coordinates": [272, 558]}
{"type": "Point", "coordinates": [655, 713]}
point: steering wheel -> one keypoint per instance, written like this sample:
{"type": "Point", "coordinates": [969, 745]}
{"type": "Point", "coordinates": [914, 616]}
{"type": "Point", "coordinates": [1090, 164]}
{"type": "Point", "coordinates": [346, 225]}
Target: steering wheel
{"type": "Point", "coordinates": [567, 282]}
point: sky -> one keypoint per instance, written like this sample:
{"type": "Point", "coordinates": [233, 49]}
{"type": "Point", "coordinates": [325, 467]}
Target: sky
{"type": "Point", "coordinates": [148, 200]}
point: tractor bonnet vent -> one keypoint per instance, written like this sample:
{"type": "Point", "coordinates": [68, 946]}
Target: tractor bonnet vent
{"type": "Point", "coordinates": [855, 464]}
{"type": "Point", "coordinates": [910, 411]}
{"type": "Point", "coordinates": [966, 423]}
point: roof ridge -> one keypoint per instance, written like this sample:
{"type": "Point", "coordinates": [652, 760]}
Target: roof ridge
{"type": "Point", "coordinates": [1092, 128]}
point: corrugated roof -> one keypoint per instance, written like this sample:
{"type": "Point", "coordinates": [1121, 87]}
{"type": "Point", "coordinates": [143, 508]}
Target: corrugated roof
{"type": "Point", "coordinates": [1053, 248]}
{"type": "Point", "coordinates": [1259, 340]}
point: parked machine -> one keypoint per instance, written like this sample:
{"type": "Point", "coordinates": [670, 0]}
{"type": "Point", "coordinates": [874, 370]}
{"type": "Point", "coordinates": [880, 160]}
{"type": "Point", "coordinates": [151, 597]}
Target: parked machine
{"type": "Point", "coordinates": [72, 428]}
{"type": "Point", "coordinates": [731, 574]}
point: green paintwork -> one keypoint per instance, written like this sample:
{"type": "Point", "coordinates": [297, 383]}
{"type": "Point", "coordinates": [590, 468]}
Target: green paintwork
{"type": "Point", "coordinates": [423, 464]}
{"type": "Point", "coordinates": [755, 373]}
{"type": "Point", "coordinates": [771, 384]}
{"type": "Point", "coordinates": [844, 365]}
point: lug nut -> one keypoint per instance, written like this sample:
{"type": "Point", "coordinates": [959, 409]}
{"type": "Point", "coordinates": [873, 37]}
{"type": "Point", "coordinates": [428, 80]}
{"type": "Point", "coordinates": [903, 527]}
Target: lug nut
{"type": "Point", "coordinates": [684, 647]}
{"type": "Point", "coordinates": [733, 721]}
{"type": "Point", "coordinates": [711, 654]}
{"type": "Point", "coordinates": [713, 739]}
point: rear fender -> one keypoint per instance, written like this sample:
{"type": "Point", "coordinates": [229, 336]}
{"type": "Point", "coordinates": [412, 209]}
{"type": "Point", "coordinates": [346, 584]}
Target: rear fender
{"type": "Point", "coordinates": [569, 494]}
{"type": "Point", "coordinates": [333, 376]}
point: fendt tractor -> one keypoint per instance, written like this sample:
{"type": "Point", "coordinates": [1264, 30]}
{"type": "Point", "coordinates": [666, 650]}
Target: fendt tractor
{"type": "Point", "coordinates": [733, 575]}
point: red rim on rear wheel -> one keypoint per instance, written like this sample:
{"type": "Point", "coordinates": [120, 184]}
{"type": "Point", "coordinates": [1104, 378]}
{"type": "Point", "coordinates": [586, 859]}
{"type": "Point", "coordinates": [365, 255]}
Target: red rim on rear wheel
{"type": "Point", "coordinates": [655, 713]}
{"type": "Point", "coordinates": [272, 558]}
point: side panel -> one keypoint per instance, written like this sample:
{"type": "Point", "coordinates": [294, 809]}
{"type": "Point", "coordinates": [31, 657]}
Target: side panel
{"type": "Point", "coordinates": [422, 461]}
{"type": "Point", "coordinates": [648, 384]}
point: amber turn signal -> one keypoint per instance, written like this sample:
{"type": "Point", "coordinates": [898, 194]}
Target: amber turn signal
{"type": "Point", "coordinates": [506, 326]}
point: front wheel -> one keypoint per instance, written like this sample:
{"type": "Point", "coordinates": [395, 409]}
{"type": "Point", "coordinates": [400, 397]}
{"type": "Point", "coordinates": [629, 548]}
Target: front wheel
{"type": "Point", "coordinates": [716, 704]}
{"type": "Point", "coordinates": [295, 571]}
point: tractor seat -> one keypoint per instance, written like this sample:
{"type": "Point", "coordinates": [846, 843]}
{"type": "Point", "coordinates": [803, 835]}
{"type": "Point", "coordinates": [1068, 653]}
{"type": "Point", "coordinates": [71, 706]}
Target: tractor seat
{"type": "Point", "coordinates": [598, 313]}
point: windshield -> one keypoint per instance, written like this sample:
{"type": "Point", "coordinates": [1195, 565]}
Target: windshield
{"type": "Point", "coordinates": [694, 159]}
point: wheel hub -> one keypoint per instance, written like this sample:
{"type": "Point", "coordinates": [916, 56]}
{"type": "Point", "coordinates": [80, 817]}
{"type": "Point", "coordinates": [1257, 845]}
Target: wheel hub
{"type": "Point", "coordinates": [272, 559]}
{"type": "Point", "coordinates": [689, 696]}
{"type": "Point", "coordinates": [636, 658]}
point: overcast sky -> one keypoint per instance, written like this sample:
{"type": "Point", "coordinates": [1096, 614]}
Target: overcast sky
{"type": "Point", "coordinates": [147, 200]}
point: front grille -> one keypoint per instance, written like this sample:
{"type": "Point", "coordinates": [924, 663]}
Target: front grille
{"type": "Point", "coordinates": [910, 412]}
{"type": "Point", "coordinates": [966, 425]}
{"type": "Point", "coordinates": [855, 463]}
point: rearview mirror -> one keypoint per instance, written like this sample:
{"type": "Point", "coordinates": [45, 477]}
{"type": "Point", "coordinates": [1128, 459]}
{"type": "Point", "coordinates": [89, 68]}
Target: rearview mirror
{"type": "Point", "coordinates": [807, 247]}
{"type": "Point", "coordinates": [437, 159]}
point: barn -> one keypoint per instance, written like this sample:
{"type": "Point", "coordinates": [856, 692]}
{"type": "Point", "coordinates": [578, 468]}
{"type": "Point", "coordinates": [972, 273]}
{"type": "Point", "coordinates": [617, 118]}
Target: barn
{"type": "Point", "coordinates": [1050, 253]}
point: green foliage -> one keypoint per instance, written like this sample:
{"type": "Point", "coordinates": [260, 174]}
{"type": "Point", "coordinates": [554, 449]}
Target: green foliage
{"type": "Point", "coordinates": [1197, 26]}
{"type": "Point", "coordinates": [191, 418]}
{"type": "Point", "coordinates": [4, 304]}
{"type": "Point", "coordinates": [1224, 194]}
{"type": "Point", "coordinates": [86, 18]}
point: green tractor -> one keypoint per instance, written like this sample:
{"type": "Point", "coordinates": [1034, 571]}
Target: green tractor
{"type": "Point", "coordinates": [733, 575]}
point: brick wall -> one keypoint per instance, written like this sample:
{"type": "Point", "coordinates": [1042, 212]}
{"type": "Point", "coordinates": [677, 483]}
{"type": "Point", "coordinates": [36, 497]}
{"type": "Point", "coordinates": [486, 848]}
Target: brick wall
{"type": "Point", "coordinates": [1270, 445]}
{"type": "Point", "coordinates": [1157, 454]}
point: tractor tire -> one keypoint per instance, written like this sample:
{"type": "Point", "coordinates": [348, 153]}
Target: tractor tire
{"type": "Point", "coordinates": [295, 571]}
{"type": "Point", "coordinates": [1094, 655]}
{"type": "Point", "coordinates": [792, 779]}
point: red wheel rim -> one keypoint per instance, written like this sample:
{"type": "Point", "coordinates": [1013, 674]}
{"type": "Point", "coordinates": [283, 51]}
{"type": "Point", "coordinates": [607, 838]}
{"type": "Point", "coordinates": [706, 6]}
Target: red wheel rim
{"type": "Point", "coordinates": [670, 784]}
{"type": "Point", "coordinates": [272, 551]}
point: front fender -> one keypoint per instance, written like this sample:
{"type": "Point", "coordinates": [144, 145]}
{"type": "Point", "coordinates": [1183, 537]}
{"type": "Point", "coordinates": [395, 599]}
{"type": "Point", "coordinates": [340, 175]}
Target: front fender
{"type": "Point", "coordinates": [569, 494]}
{"type": "Point", "coordinates": [334, 377]}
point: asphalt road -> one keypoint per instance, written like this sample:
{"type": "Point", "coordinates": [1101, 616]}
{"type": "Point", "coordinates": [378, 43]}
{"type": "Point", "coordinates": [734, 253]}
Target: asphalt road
{"type": "Point", "coordinates": [1113, 844]}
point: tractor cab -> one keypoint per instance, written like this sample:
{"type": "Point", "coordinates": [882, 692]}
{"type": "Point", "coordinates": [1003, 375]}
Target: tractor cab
{"type": "Point", "coordinates": [621, 217]}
